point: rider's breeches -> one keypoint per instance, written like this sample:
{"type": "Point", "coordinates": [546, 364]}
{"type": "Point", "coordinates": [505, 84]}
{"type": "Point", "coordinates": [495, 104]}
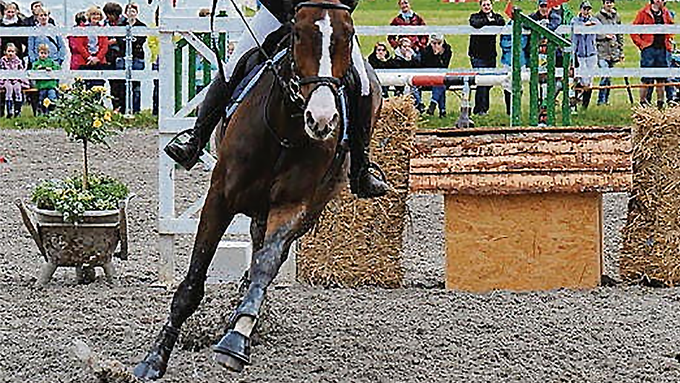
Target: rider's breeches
{"type": "Point", "coordinates": [264, 23]}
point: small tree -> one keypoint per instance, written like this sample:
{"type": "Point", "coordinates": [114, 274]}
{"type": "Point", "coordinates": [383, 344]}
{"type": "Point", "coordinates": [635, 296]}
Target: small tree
{"type": "Point", "coordinates": [83, 116]}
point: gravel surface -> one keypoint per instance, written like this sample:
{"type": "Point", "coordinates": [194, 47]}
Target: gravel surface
{"type": "Point", "coordinates": [420, 333]}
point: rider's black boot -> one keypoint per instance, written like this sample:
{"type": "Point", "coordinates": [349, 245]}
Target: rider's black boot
{"type": "Point", "coordinates": [186, 153]}
{"type": "Point", "coordinates": [361, 181]}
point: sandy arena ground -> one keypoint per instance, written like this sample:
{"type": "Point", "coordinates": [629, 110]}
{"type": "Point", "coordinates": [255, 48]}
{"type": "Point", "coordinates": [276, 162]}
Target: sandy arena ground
{"type": "Point", "coordinates": [420, 333]}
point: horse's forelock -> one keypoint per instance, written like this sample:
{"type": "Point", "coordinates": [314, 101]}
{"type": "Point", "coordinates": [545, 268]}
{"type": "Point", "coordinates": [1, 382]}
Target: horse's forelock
{"type": "Point", "coordinates": [308, 22]}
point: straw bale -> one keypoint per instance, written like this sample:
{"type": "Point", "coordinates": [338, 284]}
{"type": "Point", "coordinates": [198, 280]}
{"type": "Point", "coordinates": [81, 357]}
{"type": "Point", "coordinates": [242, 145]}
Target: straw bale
{"type": "Point", "coordinates": [358, 242]}
{"type": "Point", "coordinates": [652, 232]}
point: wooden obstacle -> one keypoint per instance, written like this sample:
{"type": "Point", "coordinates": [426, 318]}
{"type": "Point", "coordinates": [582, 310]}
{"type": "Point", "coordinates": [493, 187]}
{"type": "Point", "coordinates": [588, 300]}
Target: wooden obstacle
{"type": "Point", "coordinates": [523, 205]}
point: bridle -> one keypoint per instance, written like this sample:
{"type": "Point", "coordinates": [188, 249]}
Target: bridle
{"type": "Point", "coordinates": [295, 83]}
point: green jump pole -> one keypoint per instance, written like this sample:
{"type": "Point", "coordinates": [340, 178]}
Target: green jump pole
{"type": "Point", "coordinates": [178, 74]}
{"type": "Point", "coordinates": [533, 83]}
{"type": "Point", "coordinates": [566, 108]}
{"type": "Point", "coordinates": [192, 72]}
{"type": "Point", "coordinates": [516, 95]}
{"type": "Point", "coordinates": [552, 87]}
{"type": "Point", "coordinates": [207, 70]}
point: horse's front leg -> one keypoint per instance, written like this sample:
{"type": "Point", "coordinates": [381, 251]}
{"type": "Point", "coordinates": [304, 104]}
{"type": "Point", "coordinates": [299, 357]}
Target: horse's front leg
{"type": "Point", "coordinates": [215, 218]}
{"type": "Point", "coordinates": [258, 230]}
{"type": "Point", "coordinates": [284, 225]}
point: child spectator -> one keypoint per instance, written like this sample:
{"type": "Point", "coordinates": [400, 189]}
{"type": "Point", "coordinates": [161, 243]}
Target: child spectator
{"type": "Point", "coordinates": [10, 18]}
{"type": "Point", "coordinates": [80, 21]}
{"type": "Point", "coordinates": [47, 89]}
{"type": "Point", "coordinates": [437, 54]}
{"type": "Point", "coordinates": [380, 59]}
{"type": "Point", "coordinates": [55, 43]}
{"type": "Point", "coordinates": [14, 98]}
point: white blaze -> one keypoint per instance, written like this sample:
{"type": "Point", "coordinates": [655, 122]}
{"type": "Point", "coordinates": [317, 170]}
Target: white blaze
{"type": "Point", "coordinates": [321, 115]}
{"type": "Point", "coordinates": [325, 65]}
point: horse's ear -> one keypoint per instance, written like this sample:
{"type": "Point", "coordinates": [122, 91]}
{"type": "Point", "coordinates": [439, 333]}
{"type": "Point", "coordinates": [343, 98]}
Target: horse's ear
{"type": "Point", "coordinates": [352, 4]}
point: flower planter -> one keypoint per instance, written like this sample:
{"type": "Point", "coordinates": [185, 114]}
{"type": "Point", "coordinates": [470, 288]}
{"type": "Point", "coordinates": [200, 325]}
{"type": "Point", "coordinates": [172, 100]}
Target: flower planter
{"type": "Point", "coordinates": [88, 243]}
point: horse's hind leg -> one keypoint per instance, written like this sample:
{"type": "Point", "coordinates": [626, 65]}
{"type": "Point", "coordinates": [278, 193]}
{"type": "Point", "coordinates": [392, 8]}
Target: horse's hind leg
{"type": "Point", "coordinates": [215, 218]}
{"type": "Point", "coordinates": [283, 227]}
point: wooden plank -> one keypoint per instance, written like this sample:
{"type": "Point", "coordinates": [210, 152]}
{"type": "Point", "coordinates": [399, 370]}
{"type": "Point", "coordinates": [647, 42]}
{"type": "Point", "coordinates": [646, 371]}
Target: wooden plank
{"type": "Point", "coordinates": [516, 183]}
{"type": "Point", "coordinates": [523, 242]}
{"type": "Point", "coordinates": [542, 162]}
{"type": "Point", "coordinates": [453, 131]}
{"type": "Point", "coordinates": [498, 145]}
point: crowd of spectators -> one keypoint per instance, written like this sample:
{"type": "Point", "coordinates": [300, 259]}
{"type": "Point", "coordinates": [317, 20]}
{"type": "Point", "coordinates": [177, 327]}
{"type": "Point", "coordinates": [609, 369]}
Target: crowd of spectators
{"type": "Point", "coordinates": [46, 51]}
{"type": "Point", "coordinates": [590, 50]}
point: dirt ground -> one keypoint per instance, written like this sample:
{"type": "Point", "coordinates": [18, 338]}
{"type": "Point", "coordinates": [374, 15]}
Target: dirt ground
{"type": "Point", "coordinates": [420, 333]}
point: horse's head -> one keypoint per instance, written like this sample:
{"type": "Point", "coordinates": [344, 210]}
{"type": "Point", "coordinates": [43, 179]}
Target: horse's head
{"type": "Point", "coordinates": [322, 47]}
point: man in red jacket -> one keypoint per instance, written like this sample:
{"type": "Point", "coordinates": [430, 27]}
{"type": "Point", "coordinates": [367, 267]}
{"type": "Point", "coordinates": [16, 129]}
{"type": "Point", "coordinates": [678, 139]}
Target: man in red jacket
{"type": "Point", "coordinates": [407, 17]}
{"type": "Point", "coordinates": [654, 48]}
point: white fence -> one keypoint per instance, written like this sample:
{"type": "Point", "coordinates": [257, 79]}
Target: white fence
{"type": "Point", "coordinates": [175, 22]}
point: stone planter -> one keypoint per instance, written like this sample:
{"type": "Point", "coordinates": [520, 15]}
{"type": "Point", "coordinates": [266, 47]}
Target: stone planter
{"type": "Point", "coordinates": [83, 245]}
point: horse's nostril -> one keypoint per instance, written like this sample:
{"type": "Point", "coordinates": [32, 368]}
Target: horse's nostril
{"type": "Point", "coordinates": [309, 119]}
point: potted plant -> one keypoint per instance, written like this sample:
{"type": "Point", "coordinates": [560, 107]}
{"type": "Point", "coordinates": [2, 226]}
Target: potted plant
{"type": "Point", "coordinates": [81, 220]}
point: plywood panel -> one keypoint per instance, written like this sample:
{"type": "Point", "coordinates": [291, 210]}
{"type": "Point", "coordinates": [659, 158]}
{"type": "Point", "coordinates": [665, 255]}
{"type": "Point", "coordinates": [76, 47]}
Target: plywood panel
{"type": "Point", "coordinates": [523, 242]}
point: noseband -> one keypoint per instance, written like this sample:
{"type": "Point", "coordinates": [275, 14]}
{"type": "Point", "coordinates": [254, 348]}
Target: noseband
{"type": "Point", "coordinates": [296, 82]}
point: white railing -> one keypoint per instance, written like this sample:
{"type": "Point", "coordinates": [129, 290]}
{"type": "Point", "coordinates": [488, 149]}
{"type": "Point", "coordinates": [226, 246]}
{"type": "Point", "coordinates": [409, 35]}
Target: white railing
{"type": "Point", "coordinates": [234, 27]}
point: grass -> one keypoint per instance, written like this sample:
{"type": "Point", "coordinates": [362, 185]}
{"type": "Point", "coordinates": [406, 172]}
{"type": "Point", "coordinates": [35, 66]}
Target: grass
{"type": "Point", "coordinates": [380, 12]}
{"type": "Point", "coordinates": [143, 120]}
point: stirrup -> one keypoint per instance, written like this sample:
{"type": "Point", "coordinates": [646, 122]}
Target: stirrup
{"type": "Point", "coordinates": [176, 138]}
{"type": "Point", "coordinates": [373, 165]}
{"type": "Point", "coordinates": [183, 156]}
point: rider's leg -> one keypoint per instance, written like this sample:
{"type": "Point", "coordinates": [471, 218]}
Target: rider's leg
{"type": "Point", "coordinates": [362, 182]}
{"type": "Point", "coordinates": [219, 94]}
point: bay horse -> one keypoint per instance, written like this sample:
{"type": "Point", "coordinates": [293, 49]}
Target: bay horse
{"type": "Point", "coordinates": [282, 158]}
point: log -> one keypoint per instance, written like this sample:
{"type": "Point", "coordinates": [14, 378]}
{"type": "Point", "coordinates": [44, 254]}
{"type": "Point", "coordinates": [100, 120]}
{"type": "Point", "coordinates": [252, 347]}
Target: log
{"type": "Point", "coordinates": [519, 183]}
{"type": "Point", "coordinates": [518, 163]}
{"type": "Point", "coordinates": [522, 160]}
{"type": "Point", "coordinates": [502, 144]}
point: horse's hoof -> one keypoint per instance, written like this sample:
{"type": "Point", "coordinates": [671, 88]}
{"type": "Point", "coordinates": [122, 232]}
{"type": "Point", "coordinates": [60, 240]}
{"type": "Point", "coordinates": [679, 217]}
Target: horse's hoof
{"type": "Point", "coordinates": [85, 275]}
{"type": "Point", "coordinates": [233, 351]}
{"type": "Point", "coordinates": [229, 362]}
{"type": "Point", "coordinates": [149, 369]}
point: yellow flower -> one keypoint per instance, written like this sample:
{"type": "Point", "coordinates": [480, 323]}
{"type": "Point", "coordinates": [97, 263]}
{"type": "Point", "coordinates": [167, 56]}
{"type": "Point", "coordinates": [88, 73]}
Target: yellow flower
{"type": "Point", "coordinates": [47, 102]}
{"type": "Point", "coordinates": [97, 123]}
{"type": "Point", "coordinates": [99, 89]}
{"type": "Point", "coordinates": [107, 116]}
{"type": "Point", "coordinates": [64, 87]}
